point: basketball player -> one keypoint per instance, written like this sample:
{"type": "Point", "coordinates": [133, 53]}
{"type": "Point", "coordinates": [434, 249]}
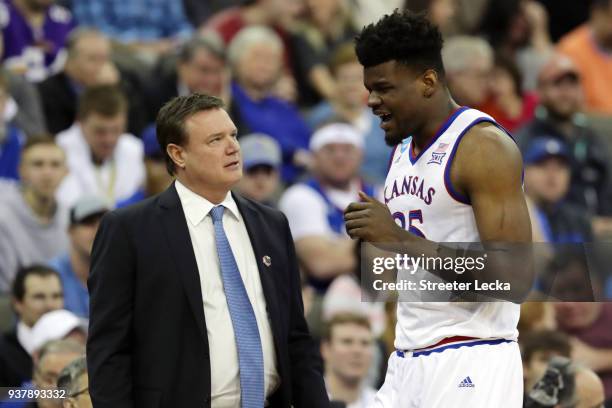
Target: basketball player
{"type": "Point", "coordinates": [454, 176]}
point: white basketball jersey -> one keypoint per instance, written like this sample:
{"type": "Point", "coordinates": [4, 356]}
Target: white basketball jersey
{"type": "Point", "coordinates": [420, 196]}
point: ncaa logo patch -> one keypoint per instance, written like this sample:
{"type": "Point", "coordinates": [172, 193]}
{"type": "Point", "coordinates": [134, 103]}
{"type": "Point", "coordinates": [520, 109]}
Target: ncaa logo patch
{"type": "Point", "coordinates": [438, 154]}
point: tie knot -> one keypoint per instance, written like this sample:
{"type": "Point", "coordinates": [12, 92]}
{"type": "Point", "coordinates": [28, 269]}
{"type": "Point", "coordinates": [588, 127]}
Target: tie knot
{"type": "Point", "coordinates": [217, 213]}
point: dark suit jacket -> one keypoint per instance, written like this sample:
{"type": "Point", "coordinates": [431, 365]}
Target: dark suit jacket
{"type": "Point", "coordinates": [148, 344]}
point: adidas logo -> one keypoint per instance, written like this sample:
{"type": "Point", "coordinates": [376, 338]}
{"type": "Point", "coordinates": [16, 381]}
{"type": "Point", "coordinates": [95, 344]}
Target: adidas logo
{"type": "Point", "coordinates": [467, 382]}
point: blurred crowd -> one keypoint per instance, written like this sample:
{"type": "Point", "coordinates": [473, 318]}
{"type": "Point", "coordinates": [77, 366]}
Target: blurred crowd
{"type": "Point", "coordinates": [81, 83]}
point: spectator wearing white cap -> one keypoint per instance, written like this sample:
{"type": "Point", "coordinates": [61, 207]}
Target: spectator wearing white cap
{"type": "Point", "coordinates": [261, 160]}
{"type": "Point", "coordinates": [315, 207]}
{"type": "Point", "coordinates": [73, 266]}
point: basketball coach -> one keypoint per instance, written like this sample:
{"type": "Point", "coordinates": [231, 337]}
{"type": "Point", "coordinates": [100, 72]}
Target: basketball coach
{"type": "Point", "coordinates": [195, 293]}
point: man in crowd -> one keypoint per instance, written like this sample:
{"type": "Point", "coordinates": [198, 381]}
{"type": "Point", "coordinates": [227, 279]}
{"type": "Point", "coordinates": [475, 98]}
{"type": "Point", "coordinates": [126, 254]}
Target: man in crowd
{"type": "Point", "coordinates": [315, 208]}
{"type": "Point", "coordinates": [103, 160]}
{"type": "Point", "coordinates": [589, 47]}
{"type": "Point", "coordinates": [547, 180]}
{"type": "Point", "coordinates": [261, 157]}
{"type": "Point", "coordinates": [34, 33]}
{"type": "Point", "coordinates": [468, 62]}
{"type": "Point", "coordinates": [75, 380]}
{"type": "Point", "coordinates": [559, 116]}
{"type": "Point", "coordinates": [36, 291]}
{"type": "Point", "coordinates": [347, 348]}
{"type": "Point", "coordinates": [537, 348]}
{"type": "Point", "coordinates": [73, 266]}
{"type": "Point", "coordinates": [32, 223]}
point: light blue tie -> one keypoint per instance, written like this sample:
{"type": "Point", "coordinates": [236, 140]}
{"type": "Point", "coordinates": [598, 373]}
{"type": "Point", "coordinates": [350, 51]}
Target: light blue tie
{"type": "Point", "coordinates": [250, 354]}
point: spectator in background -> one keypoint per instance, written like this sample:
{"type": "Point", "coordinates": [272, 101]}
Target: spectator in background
{"type": "Point", "coordinates": [347, 347]}
{"type": "Point", "coordinates": [537, 347]}
{"type": "Point", "coordinates": [518, 29]}
{"type": "Point", "coordinates": [103, 160]}
{"type": "Point", "coordinates": [255, 55]}
{"type": "Point", "coordinates": [508, 103]}
{"type": "Point", "coordinates": [327, 25]}
{"type": "Point", "coordinates": [536, 316]}
{"type": "Point", "coordinates": [350, 105]}
{"type": "Point", "coordinates": [468, 62]}
{"type": "Point", "coordinates": [149, 27]}
{"type": "Point", "coordinates": [24, 108]}
{"type": "Point", "coordinates": [589, 325]}
{"type": "Point", "coordinates": [34, 33]}
{"type": "Point", "coordinates": [88, 64]}
{"type": "Point", "coordinates": [36, 290]}
{"type": "Point", "coordinates": [439, 12]}
{"type": "Point", "coordinates": [261, 160]}
{"type": "Point", "coordinates": [73, 266]}
{"type": "Point", "coordinates": [52, 359]}
{"type": "Point", "coordinates": [589, 46]}
{"type": "Point", "coordinates": [32, 223]}
{"type": "Point", "coordinates": [75, 380]}
{"type": "Point", "coordinates": [547, 177]}
{"type": "Point", "coordinates": [315, 208]}
{"type": "Point", "coordinates": [57, 324]}
{"type": "Point", "coordinates": [11, 138]}
{"type": "Point", "coordinates": [558, 116]}
{"type": "Point", "coordinates": [198, 67]}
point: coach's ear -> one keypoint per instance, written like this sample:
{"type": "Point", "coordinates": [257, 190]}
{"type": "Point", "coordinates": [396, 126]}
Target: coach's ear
{"type": "Point", "coordinates": [429, 82]}
{"type": "Point", "coordinates": [176, 153]}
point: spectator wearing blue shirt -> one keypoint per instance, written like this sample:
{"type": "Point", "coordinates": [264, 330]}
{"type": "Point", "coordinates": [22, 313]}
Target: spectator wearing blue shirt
{"type": "Point", "coordinates": [73, 266]}
{"type": "Point", "coordinates": [256, 58]}
{"type": "Point", "coordinates": [150, 26]}
{"type": "Point", "coordinates": [11, 139]}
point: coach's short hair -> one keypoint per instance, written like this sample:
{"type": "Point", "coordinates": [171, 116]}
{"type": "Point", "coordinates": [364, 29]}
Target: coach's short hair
{"type": "Point", "coordinates": [170, 122]}
{"type": "Point", "coordinates": [105, 100]}
{"type": "Point", "coordinates": [344, 318]}
{"type": "Point", "coordinates": [460, 51]}
{"type": "Point", "coordinates": [408, 38]}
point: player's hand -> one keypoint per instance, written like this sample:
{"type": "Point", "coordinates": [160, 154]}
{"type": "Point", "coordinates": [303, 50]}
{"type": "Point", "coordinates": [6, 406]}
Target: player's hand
{"type": "Point", "coordinates": [370, 221]}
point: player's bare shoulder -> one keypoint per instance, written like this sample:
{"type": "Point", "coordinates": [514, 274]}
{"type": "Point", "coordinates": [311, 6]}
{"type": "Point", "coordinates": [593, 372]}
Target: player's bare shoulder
{"type": "Point", "coordinates": [485, 155]}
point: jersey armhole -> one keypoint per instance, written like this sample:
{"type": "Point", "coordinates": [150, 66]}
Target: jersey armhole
{"type": "Point", "coordinates": [452, 191]}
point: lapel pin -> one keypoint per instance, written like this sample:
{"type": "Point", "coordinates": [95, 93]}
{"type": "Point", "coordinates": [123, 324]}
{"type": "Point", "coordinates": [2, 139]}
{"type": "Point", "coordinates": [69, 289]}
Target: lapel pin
{"type": "Point", "coordinates": [267, 260]}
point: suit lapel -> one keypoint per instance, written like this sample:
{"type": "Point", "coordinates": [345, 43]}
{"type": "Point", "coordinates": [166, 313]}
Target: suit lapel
{"type": "Point", "coordinates": [179, 241]}
{"type": "Point", "coordinates": [257, 232]}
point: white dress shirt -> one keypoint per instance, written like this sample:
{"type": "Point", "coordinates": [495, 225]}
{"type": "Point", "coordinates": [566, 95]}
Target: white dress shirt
{"type": "Point", "coordinates": [225, 381]}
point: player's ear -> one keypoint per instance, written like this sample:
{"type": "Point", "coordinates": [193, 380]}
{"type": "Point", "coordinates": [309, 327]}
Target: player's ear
{"type": "Point", "coordinates": [429, 82]}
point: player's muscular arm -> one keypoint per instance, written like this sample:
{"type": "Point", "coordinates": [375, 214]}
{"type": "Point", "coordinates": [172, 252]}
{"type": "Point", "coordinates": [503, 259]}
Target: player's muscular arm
{"type": "Point", "coordinates": [326, 258]}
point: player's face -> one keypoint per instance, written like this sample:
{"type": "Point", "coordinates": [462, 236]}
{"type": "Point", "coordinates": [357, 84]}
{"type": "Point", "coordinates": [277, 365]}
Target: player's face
{"type": "Point", "coordinates": [395, 98]}
{"type": "Point", "coordinates": [211, 153]}
{"type": "Point", "coordinates": [349, 351]}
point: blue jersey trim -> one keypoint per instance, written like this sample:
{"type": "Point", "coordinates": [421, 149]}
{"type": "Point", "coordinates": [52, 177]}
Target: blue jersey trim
{"type": "Point", "coordinates": [454, 193]}
{"type": "Point", "coordinates": [402, 354]}
{"type": "Point", "coordinates": [439, 133]}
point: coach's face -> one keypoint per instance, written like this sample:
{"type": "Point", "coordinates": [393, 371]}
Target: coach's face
{"type": "Point", "coordinates": [211, 154]}
{"type": "Point", "coordinates": [397, 94]}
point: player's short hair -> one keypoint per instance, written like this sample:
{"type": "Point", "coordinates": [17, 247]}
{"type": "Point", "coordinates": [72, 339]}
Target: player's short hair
{"type": "Point", "coordinates": [339, 319]}
{"type": "Point", "coordinates": [408, 38]}
{"type": "Point", "coordinates": [170, 122]}
{"type": "Point", "coordinates": [546, 341]}
{"type": "Point", "coordinates": [18, 289]}
{"type": "Point", "coordinates": [342, 55]}
{"type": "Point", "coordinates": [105, 100]}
